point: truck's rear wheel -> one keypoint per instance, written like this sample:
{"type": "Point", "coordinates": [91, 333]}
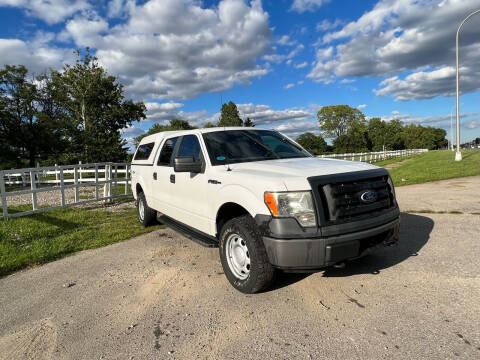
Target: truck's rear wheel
{"type": "Point", "coordinates": [243, 256]}
{"type": "Point", "coordinates": [146, 215]}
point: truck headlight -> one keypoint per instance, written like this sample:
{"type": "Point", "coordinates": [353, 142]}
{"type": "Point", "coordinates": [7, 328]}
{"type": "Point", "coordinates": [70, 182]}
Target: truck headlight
{"type": "Point", "coordinates": [298, 205]}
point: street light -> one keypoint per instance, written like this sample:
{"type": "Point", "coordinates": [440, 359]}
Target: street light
{"type": "Point", "coordinates": [458, 154]}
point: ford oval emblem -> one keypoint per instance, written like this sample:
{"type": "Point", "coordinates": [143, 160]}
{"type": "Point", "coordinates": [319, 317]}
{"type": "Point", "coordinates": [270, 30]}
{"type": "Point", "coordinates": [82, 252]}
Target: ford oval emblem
{"type": "Point", "coordinates": [369, 197]}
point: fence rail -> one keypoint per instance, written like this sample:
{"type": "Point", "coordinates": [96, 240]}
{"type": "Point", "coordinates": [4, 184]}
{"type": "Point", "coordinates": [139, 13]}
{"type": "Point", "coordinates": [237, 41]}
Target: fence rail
{"type": "Point", "coordinates": [375, 156]}
{"type": "Point", "coordinates": [33, 181]}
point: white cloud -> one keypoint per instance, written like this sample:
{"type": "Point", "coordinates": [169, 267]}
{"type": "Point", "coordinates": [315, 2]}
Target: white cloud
{"type": "Point", "coordinates": [307, 5]}
{"type": "Point", "coordinates": [286, 41]}
{"type": "Point", "coordinates": [36, 55]}
{"type": "Point", "coordinates": [326, 24]}
{"type": "Point", "coordinates": [301, 65]}
{"type": "Point", "coordinates": [265, 115]}
{"type": "Point", "coordinates": [300, 82]}
{"type": "Point", "coordinates": [396, 37]}
{"type": "Point", "coordinates": [289, 86]}
{"type": "Point", "coordinates": [428, 84]}
{"type": "Point", "coordinates": [50, 11]}
{"type": "Point", "coordinates": [295, 129]}
{"type": "Point", "coordinates": [278, 58]}
{"type": "Point", "coordinates": [472, 124]}
{"type": "Point", "coordinates": [171, 49]}
{"type": "Point", "coordinates": [362, 106]}
{"type": "Point", "coordinates": [441, 121]}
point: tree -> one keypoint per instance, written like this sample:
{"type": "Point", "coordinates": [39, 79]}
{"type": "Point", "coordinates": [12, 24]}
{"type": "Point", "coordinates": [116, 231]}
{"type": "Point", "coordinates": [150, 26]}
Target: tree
{"type": "Point", "coordinates": [313, 143]}
{"type": "Point", "coordinates": [31, 124]}
{"type": "Point", "coordinates": [248, 123]}
{"type": "Point", "coordinates": [229, 115]}
{"type": "Point", "coordinates": [417, 136]}
{"type": "Point", "coordinates": [335, 120]}
{"type": "Point", "coordinates": [355, 140]}
{"type": "Point", "coordinates": [97, 110]}
{"type": "Point", "coordinates": [208, 125]}
{"type": "Point", "coordinates": [174, 124]}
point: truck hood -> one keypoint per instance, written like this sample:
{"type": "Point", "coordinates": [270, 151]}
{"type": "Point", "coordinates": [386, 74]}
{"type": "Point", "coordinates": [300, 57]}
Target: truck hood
{"type": "Point", "coordinates": [294, 172]}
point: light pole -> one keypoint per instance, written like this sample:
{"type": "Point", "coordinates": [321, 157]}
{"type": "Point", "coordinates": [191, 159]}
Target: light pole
{"type": "Point", "coordinates": [451, 128]}
{"type": "Point", "coordinates": [458, 154]}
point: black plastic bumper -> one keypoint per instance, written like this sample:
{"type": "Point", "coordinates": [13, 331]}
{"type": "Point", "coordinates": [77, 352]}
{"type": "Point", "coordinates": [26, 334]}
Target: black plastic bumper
{"type": "Point", "coordinates": [315, 253]}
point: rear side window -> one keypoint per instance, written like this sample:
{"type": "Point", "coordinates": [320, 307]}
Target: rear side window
{"type": "Point", "coordinates": [190, 146]}
{"type": "Point", "coordinates": [144, 151]}
{"type": "Point", "coordinates": [167, 150]}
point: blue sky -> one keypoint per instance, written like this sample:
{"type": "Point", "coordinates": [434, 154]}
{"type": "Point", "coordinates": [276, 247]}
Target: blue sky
{"type": "Point", "coordinates": [280, 61]}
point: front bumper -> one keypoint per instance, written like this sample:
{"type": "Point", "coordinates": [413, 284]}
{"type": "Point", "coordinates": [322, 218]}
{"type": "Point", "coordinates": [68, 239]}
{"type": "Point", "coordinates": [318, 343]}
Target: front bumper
{"type": "Point", "coordinates": [315, 253]}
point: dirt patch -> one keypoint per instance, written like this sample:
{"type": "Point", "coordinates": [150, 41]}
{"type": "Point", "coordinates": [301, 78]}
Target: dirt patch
{"type": "Point", "coordinates": [37, 341]}
{"type": "Point", "coordinates": [396, 164]}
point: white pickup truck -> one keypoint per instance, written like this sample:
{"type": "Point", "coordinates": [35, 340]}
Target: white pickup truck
{"type": "Point", "coordinates": [266, 202]}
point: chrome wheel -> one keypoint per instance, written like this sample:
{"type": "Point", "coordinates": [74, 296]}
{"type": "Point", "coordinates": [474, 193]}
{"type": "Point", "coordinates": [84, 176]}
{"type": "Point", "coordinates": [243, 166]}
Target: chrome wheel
{"type": "Point", "coordinates": [141, 210]}
{"type": "Point", "coordinates": [238, 257]}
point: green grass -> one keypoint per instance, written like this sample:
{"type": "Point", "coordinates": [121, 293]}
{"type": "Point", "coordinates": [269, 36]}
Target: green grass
{"type": "Point", "coordinates": [52, 235]}
{"type": "Point", "coordinates": [394, 160]}
{"type": "Point", "coordinates": [436, 165]}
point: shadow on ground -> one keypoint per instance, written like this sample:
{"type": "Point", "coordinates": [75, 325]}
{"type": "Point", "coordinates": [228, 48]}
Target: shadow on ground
{"type": "Point", "coordinates": [414, 234]}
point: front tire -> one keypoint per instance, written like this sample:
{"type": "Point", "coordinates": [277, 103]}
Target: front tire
{"type": "Point", "coordinates": [146, 215]}
{"type": "Point", "coordinates": [243, 256]}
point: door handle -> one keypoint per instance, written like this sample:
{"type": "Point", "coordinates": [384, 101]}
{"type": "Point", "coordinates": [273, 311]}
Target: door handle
{"type": "Point", "coordinates": [154, 176]}
{"type": "Point", "coordinates": [172, 178]}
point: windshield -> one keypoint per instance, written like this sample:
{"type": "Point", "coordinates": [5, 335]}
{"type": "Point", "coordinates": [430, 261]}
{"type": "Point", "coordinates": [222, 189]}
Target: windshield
{"type": "Point", "coordinates": [236, 146]}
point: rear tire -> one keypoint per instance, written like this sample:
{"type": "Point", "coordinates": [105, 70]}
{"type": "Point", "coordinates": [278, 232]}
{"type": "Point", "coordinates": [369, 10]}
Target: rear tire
{"type": "Point", "coordinates": [146, 215]}
{"type": "Point", "coordinates": [243, 256]}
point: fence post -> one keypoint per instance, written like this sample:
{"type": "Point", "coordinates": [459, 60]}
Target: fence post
{"type": "Point", "coordinates": [3, 195]}
{"type": "Point", "coordinates": [107, 190]}
{"type": "Point", "coordinates": [75, 182]}
{"type": "Point", "coordinates": [115, 181]}
{"type": "Point", "coordinates": [33, 186]}
{"type": "Point", "coordinates": [96, 181]}
{"type": "Point", "coordinates": [80, 169]}
{"type": "Point", "coordinates": [127, 174]}
{"type": "Point", "coordinates": [110, 179]}
{"type": "Point", "coordinates": [56, 174]}
{"type": "Point", "coordinates": [62, 189]}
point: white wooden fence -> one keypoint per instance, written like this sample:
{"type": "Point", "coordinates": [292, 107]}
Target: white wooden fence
{"type": "Point", "coordinates": [375, 156]}
{"type": "Point", "coordinates": [32, 181]}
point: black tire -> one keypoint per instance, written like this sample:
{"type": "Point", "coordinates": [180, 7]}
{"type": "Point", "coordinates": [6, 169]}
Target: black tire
{"type": "Point", "coordinates": [261, 273]}
{"type": "Point", "coordinates": [149, 215]}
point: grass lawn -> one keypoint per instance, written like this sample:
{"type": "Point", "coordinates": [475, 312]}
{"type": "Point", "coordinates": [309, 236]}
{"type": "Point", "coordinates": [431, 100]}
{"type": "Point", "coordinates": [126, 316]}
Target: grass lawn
{"type": "Point", "coordinates": [49, 236]}
{"type": "Point", "coordinates": [435, 165]}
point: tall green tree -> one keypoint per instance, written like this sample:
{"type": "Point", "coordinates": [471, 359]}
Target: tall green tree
{"type": "Point", "coordinates": [31, 123]}
{"type": "Point", "coordinates": [335, 120]}
{"type": "Point", "coordinates": [97, 110]}
{"type": "Point", "coordinates": [229, 115]}
{"type": "Point", "coordinates": [354, 140]}
{"type": "Point", "coordinates": [174, 124]}
{"type": "Point", "coordinates": [313, 143]}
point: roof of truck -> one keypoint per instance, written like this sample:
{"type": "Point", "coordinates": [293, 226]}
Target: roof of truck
{"type": "Point", "coordinates": [162, 134]}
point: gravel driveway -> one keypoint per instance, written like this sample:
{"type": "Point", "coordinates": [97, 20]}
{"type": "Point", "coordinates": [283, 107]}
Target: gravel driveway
{"type": "Point", "coordinates": [160, 296]}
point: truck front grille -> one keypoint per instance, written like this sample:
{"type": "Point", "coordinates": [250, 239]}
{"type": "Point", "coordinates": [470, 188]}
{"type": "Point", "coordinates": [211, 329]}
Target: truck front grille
{"type": "Point", "coordinates": [341, 197]}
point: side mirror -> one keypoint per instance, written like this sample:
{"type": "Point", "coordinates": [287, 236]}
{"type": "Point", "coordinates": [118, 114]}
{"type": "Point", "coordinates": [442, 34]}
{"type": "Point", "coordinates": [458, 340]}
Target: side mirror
{"type": "Point", "coordinates": [187, 164]}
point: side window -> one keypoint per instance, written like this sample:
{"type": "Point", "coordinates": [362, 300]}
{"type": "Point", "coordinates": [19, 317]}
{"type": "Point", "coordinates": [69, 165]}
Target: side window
{"type": "Point", "coordinates": [190, 147]}
{"type": "Point", "coordinates": [167, 151]}
{"type": "Point", "coordinates": [144, 151]}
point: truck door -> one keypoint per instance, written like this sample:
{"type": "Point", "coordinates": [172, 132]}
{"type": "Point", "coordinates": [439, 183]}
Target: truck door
{"type": "Point", "coordinates": [163, 176]}
{"type": "Point", "coordinates": [189, 190]}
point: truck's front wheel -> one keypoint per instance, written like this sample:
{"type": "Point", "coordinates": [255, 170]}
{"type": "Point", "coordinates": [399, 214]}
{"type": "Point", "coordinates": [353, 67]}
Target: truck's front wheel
{"type": "Point", "coordinates": [146, 215]}
{"type": "Point", "coordinates": [243, 256]}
